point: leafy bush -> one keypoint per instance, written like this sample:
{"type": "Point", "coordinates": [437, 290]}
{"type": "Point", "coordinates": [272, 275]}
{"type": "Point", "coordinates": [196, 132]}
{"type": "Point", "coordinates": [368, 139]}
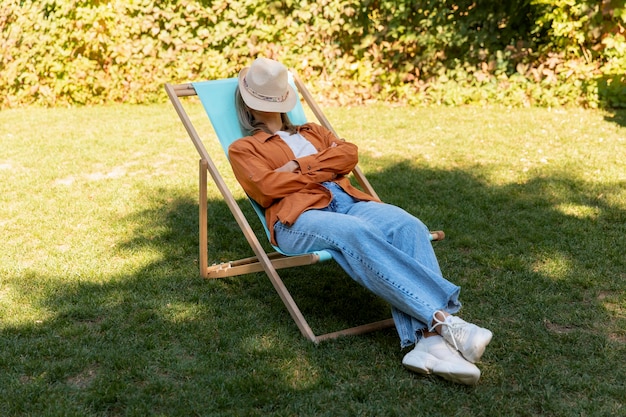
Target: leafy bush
{"type": "Point", "coordinates": [534, 52]}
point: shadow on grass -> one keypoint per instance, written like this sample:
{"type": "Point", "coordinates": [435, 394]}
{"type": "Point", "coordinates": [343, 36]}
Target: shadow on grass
{"type": "Point", "coordinates": [540, 263]}
{"type": "Point", "coordinates": [617, 116]}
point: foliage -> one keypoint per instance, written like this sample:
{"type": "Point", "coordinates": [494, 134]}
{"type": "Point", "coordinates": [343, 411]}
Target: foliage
{"type": "Point", "coordinates": [534, 52]}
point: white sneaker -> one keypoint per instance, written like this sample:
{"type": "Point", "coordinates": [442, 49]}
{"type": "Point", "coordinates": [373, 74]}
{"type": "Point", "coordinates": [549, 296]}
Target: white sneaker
{"type": "Point", "coordinates": [434, 355]}
{"type": "Point", "coordinates": [467, 338]}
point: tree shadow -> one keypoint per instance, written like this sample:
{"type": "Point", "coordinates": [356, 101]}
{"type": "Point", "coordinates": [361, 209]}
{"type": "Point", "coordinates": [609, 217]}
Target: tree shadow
{"type": "Point", "coordinates": [532, 267]}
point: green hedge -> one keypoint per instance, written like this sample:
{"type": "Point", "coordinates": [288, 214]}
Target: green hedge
{"type": "Point", "coordinates": [533, 52]}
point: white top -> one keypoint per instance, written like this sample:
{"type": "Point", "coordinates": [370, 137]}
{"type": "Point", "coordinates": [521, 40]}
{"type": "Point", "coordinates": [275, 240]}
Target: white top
{"type": "Point", "coordinates": [298, 144]}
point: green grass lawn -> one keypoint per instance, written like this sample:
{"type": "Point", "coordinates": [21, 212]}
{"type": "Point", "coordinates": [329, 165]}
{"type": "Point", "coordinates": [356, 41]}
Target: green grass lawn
{"type": "Point", "coordinates": [102, 311]}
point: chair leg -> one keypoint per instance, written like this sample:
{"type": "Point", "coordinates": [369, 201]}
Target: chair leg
{"type": "Point", "coordinates": [202, 220]}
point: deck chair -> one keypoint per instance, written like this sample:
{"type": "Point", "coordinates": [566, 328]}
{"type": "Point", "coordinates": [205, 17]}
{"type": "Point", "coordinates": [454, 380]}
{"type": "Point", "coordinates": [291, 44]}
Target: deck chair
{"type": "Point", "coordinates": [217, 97]}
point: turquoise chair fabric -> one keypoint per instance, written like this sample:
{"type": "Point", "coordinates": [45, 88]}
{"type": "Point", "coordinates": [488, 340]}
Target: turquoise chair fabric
{"type": "Point", "coordinates": [218, 100]}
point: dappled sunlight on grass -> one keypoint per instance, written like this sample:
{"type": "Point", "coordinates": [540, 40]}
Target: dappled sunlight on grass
{"type": "Point", "coordinates": [296, 372]}
{"type": "Point", "coordinates": [555, 266]}
{"type": "Point", "coordinates": [580, 211]}
{"type": "Point", "coordinates": [17, 309]}
{"type": "Point", "coordinates": [300, 374]}
{"type": "Point", "coordinates": [259, 343]}
{"type": "Point", "coordinates": [179, 312]}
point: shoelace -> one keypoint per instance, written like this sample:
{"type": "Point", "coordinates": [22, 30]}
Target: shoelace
{"type": "Point", "coordinates": [453, 328]}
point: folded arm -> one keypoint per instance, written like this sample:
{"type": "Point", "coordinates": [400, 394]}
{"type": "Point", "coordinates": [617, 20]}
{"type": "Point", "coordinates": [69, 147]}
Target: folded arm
{"type": "Point", "coordinates": [267, 173]}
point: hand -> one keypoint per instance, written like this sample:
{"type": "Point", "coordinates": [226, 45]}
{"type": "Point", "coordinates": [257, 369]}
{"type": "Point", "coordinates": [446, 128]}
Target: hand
{"type": "Point", "coordinates": [291, 166]}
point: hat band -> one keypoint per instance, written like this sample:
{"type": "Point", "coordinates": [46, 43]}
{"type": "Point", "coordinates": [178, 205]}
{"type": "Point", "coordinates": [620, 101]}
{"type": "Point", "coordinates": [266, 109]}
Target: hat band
{"type": "Point", "coordinates": [271, 99]}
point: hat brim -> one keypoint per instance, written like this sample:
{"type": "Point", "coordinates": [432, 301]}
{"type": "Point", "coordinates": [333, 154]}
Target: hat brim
{"type": "Point", "coordinates": [267, 106]}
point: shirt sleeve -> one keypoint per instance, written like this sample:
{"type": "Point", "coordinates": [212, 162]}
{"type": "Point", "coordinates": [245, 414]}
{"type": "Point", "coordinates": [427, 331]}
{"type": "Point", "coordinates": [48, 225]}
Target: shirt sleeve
{"type": "Point", "coordinates": [336, 156]}
{"type": "Point", "coordinates": [261, 182]}
{"type": "Point", "coordinates": [255, 171]}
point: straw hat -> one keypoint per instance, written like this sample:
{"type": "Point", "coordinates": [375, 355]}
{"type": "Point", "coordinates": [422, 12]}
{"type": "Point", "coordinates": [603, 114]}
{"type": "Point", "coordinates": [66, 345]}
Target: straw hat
{"type": "Point", "coordinates": [264, 87]}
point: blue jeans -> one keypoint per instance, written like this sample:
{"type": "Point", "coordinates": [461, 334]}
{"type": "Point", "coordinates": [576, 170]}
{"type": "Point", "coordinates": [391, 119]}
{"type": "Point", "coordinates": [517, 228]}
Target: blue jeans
{"type": "Point", "coordinates": [383, 248]}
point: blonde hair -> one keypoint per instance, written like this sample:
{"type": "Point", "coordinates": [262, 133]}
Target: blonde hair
{"type": "Point", "coordinates": [250, 125]}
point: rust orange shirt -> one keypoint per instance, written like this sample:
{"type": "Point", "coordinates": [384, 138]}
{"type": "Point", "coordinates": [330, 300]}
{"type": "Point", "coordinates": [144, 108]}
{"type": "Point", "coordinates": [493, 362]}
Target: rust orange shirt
{"type": "Point", "coordinates": [286, 195]}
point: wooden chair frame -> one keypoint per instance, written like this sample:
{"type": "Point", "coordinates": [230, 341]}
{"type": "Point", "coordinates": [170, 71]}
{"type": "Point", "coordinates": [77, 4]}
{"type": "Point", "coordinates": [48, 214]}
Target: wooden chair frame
{"type": "Point", "coordinates": [270, 263]}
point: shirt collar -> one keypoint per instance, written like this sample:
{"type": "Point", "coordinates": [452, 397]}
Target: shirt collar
{"type": "Point", "coordinates": [263, 137]}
